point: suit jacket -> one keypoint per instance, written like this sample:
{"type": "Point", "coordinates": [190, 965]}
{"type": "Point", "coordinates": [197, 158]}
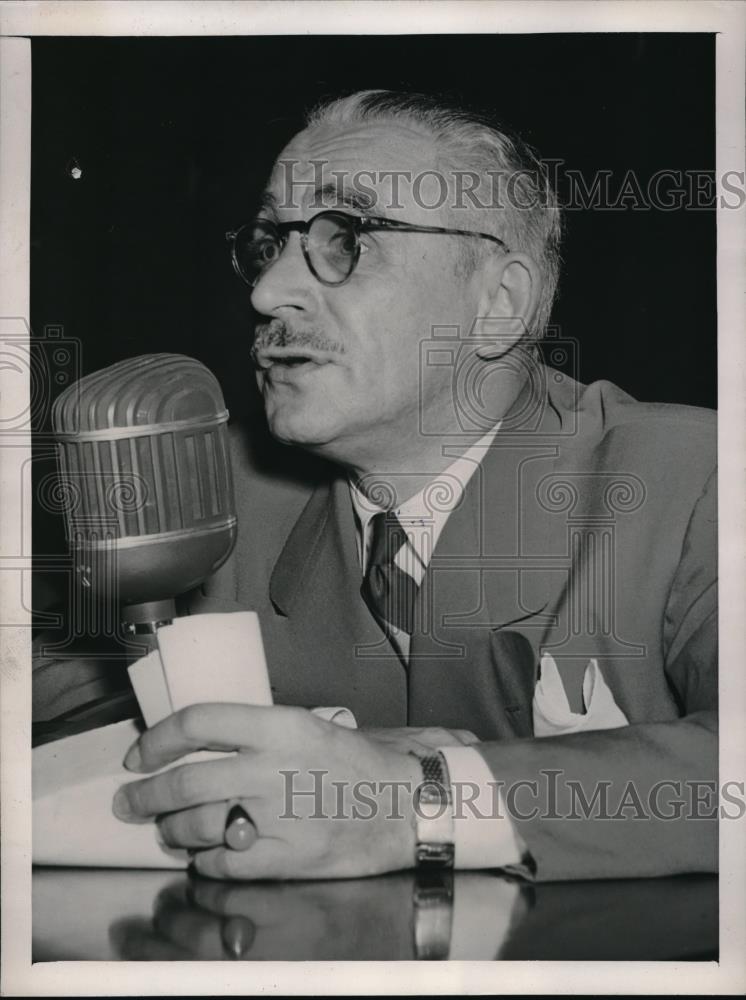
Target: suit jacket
{"type": "Point", "coordinates": [589, 530]}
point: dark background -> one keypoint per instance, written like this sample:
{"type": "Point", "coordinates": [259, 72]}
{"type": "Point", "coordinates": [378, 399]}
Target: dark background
{"type": "Point", "coordinates": [176, 136]}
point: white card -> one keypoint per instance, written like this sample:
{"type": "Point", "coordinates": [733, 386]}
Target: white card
{"type": "Point", "coordinates": [149, 682]}
{"type": "Point", "coordinates": [215, 657]}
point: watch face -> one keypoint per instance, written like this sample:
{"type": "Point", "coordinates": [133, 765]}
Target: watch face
{"type": "Point", "coordinates": [439, 855]}
{"type": "Point", "coordinates": [433, 886]}
{"type": "Point", "coordinates": [432, 807]}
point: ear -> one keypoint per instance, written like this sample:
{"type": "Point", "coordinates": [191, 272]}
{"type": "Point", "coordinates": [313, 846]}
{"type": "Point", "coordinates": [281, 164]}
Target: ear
{"type": "Point", "coordinates": [509, 299]}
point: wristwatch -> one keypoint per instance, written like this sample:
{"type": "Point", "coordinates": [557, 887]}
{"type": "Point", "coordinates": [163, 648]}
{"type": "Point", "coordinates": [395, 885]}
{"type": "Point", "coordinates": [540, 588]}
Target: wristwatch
{"type": "Point", "coordinates": [433, 913]}
{"type": "Point", "coordinates": [434, 856]}
{"type": "Point", "coordinates": [433, 808]}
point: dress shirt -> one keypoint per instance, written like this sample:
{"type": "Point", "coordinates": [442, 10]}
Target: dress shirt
{"type": "Point", "coordinates": [484, 837]}
{"type": "Point", "coordinates": [422, 522]}
{"type": "Point", "coordinates": [479, 842]}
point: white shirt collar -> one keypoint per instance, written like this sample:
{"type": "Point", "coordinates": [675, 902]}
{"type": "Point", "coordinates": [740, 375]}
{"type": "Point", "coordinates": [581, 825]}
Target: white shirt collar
{"type": "Point", "coordinates": [424, 515]}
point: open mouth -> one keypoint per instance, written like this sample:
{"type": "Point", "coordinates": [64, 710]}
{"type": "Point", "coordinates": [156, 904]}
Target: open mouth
{"type": "Point", "coordinates": [289, 365]}
{"type": "Point", "coordinates": [292, 360]}
{"type": "Point", "coordinates": [288, 360]}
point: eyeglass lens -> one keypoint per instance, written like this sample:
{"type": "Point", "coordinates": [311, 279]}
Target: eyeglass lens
{"type": "Point", "coordinates": [331, 248]}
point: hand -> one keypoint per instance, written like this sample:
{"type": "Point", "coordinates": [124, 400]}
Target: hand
{"type": "Point", "coordinates": [198, 919]}
{"type": "Point", "coordinates": [411, 739]}
{"type": "Point", "coordinates": [326, 801]}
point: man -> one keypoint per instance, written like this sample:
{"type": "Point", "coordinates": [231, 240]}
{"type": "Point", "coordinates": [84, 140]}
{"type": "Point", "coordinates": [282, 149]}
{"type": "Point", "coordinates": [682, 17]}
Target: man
{"type": "Point", "coordinates": [503, 574]}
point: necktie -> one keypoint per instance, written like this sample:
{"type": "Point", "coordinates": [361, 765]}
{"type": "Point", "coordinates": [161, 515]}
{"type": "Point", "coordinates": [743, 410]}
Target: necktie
{"type": "Point", "coordinates": [388, 591]}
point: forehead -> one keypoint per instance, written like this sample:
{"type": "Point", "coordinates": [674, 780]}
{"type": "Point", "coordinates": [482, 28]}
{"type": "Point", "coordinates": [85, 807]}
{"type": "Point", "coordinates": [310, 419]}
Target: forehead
{"type": "Point", "coordinates": [356, 157]}
{"type": "Point", "coordinates": [378, 145]}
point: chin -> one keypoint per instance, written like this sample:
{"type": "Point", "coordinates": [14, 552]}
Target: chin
{"type": "Point", "coordinates": [297, 429]}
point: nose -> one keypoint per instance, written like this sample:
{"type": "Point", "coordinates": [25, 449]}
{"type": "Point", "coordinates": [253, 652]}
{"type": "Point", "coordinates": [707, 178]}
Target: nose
{"type": "Point", "coordinates": [285, 284]}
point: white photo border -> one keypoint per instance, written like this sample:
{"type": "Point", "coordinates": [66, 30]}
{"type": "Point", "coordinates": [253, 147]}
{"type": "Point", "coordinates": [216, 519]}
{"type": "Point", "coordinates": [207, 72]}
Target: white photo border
{"type": "Point", "coordinates": [19, 21]}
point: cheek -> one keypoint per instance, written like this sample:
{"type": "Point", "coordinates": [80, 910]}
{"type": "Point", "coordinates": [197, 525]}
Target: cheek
{"type": "Point", "coordinates": [382, 327]}
{"type": "Point", "coordinates": [385, 370]}
{"type": "Point", "coordinates": [389, 327]}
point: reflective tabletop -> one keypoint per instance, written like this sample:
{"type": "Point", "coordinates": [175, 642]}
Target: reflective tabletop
{"type": "Point", "coordinates": [138, 915]}
{"type": "Point", "coordinates": [120, 914]}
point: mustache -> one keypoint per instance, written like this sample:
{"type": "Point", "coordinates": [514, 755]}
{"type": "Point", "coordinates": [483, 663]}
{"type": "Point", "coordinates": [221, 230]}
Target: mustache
{"type": "Point", "coordinates": [277, 333]}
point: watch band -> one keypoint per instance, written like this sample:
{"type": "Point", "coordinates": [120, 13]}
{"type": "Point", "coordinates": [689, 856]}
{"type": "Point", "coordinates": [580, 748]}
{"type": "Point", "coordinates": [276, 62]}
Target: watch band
{"type": "Point", "coordinates": [433, 807]}
{"type": "Point", "coordinates": [434, 856]}
{"type": "Point", "coordinates": [433, 913]}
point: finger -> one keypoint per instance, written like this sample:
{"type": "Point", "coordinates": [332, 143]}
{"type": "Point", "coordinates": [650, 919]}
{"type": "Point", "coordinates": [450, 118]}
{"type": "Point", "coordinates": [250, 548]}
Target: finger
{"type": "Point", "coordinates": [262, 903]}
{"type": "Point", "coordinates": [225, 899]}
{"type": "Point", "coordinates": [218, 897]}
{"type": "Point", "coordinates": [213, 726]}
{"type": "Point", "coordinates": [238, 935]}
{"type": "Point", "coordinates": [183, 787]}
{"type": "Point", "coordinates": [176, 893]}
{"type": "Point", "coordinates": [268, 858]}
{"type": "Point", "coordinates": [200, 827]}
{"type": "Point", "coordinates": [192, 929]}
{"type": "Point", "coordinates": [134, 939]}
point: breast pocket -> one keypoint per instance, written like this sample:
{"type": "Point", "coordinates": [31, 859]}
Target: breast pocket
{"type": "Point", "coordinates": [552, 713]}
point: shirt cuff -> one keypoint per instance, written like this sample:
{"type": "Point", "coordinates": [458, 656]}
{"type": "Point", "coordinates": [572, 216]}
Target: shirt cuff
{"type": "Point", "coordinates": [485, 909]}
{"type": "Point", "coordinates": [338, 715]}
{"type": "Point", "coordinates": [483, 834]}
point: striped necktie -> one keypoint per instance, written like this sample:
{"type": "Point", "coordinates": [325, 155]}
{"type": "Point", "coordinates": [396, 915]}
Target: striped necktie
{"type": "Point", "coordinates": [388, 591]}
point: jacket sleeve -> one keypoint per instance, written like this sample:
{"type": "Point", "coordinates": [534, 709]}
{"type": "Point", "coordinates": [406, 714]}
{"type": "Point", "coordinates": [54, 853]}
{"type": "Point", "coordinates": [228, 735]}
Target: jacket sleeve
{"type": "Point", "coordinates": [640, 800]}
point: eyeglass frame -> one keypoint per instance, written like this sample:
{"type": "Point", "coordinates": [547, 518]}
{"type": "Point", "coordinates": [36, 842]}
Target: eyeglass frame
{"type": "Point", "coordinates": [360, 224]}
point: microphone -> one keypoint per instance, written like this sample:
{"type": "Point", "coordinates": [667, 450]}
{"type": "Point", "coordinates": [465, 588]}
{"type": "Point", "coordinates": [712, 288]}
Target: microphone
{"type": "Point", "coordinates": [144, 465]}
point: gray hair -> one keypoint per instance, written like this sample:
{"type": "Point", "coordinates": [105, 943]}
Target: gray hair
{"type": "Point", "coordinates": [529, 216]}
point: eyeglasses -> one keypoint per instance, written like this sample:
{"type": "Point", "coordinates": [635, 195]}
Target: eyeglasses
{"type": "Point", "coordinates": [330, 242]}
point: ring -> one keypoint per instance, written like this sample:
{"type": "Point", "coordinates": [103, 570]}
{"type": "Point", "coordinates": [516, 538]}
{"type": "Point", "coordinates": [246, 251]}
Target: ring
{"type": "Point", "coordinates": [240, 832]}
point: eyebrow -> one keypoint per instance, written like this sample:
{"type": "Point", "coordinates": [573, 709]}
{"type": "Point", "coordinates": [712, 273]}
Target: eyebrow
{"type": "Point", "coordinates": [347, 198]}
{"type": "Point", "coordinates": [267, 203]}
{"type": "Point", "coordinates": [359, 202]}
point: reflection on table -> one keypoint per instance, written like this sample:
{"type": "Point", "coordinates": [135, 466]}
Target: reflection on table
{"type": "Point", "coordinates": [87, 914]}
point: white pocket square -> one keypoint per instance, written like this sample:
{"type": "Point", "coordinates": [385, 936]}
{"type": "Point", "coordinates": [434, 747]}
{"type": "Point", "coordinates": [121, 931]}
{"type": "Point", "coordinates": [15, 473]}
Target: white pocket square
{"type": "Point", "coordinates": [552, 713]}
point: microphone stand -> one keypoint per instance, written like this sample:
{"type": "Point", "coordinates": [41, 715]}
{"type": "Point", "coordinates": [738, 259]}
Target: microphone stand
{"type": "Point", "coordinates": [142, 621]}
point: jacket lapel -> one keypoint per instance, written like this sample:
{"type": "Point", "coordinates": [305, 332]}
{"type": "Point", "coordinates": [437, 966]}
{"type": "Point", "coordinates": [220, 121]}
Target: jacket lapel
{"type": "Point", "coordinates": [484, 606]}
{"type": "Point", "coordinates": [330, 650]}
{"type": "Point", "coordinates": [485, 601]}
{"type": "Point", "coordinates": [311, 533]}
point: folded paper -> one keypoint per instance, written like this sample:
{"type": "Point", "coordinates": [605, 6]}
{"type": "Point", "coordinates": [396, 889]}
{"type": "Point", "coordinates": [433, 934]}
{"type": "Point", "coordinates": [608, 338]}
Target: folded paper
{"type": "Point", "coordinates": [214, 657]}
{"type": "Point", "coordinates": [74, 781]}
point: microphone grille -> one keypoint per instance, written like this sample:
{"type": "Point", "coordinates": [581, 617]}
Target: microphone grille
{"type": "Point", "coordinates": [136, 392]}
{"type": "Point", "coordinates": [143, 448]}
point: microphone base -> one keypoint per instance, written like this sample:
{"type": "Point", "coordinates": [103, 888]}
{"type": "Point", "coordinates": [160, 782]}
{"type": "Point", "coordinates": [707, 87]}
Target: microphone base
{"type": "Point", "coordinates": [142, 621]}
{"type": "Point", "coordinates": [151, 613]}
